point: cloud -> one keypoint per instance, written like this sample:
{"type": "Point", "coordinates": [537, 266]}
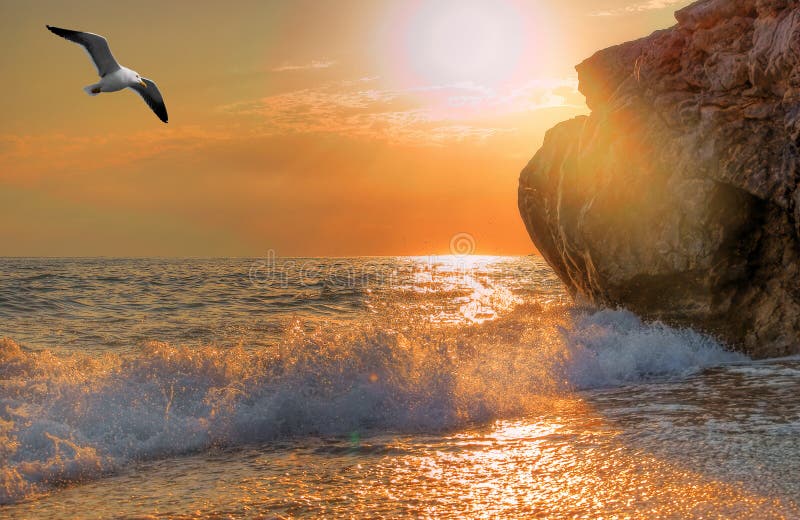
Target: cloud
{"type": "Point", "coordinates": [649, 5]}
{"type": "Point", "coordinates": [427, 115]}
{"type": "Point", "coordinates": [315, 64]}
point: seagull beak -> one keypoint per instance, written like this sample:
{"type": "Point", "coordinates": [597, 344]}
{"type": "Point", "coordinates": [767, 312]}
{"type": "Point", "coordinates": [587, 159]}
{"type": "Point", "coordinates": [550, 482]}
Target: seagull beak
{"type": "Point", "coordinates": [142, 83]}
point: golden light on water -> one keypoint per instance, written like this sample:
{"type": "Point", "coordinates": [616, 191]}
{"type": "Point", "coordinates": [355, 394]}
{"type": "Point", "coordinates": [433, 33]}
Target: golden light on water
{"type": "Point", "coordinates": [566, 469]}
{"type": "Point", "coordinates": [407, 416]}
{"type": "Point", "coordinates": [478, 299]}
{"type": "Point", "coordinates": [571, 463]}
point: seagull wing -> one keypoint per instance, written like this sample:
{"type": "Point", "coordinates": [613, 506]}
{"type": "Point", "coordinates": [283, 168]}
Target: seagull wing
{"type": "Point", "coordinates": [95, 45]}
{"type": "Point", "coordinates": [152, 96]}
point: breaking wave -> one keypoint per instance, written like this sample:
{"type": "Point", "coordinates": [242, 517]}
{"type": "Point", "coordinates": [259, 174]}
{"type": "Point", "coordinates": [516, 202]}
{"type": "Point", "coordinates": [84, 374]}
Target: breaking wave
{"type": "Point", "coordinates": [66, 418]}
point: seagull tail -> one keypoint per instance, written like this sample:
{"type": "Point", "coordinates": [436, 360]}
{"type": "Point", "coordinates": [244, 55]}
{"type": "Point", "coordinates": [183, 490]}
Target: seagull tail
{"type": "Point", "coordinates": [92, 90]}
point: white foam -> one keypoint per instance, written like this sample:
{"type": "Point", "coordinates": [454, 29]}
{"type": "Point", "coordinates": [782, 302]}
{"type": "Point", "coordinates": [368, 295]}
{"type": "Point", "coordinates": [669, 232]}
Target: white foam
{"type": "Point", "coordinates": [611, 348]}
{"type": "Point", "coordinates": [67, 418]}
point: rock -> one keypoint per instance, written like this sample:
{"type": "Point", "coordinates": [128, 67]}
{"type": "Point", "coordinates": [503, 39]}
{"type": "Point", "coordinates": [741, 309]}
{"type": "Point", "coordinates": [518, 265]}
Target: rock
{"type": "Point", "coordinates": [677, 197]}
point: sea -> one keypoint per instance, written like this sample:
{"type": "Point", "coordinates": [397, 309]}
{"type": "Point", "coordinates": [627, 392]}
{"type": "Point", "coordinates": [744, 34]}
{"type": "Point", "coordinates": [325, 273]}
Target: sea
{"type": "Point", "coordinates": [425, 387]}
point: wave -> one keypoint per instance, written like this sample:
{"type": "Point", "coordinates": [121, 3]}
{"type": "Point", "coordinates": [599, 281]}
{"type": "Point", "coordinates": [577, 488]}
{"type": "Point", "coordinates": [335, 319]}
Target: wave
{"type": "Point", "coordinates": [67, 418]}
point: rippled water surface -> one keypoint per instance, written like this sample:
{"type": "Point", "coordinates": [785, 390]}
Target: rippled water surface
{"type": "Point", "coordinates": [119, 304]}
{"type": "Point", "coordinates": [434, 387]}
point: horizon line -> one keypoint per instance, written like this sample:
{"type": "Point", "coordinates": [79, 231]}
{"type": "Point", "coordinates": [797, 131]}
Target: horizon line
{"type": "Point", "coordinates": [190, 257]}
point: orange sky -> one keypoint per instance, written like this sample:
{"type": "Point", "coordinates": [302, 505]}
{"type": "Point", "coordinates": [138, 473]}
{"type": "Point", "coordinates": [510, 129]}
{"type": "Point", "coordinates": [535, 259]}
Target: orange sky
{"type": "Point", "coordinates": [318, 128]}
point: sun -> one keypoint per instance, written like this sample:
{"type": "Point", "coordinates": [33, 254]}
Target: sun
{"type": "Point", "coordinates": [463, 41]}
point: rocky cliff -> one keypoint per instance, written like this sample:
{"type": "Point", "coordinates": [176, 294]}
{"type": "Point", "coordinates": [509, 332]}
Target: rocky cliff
{"type": "Point", "coordinates": [677, 197]}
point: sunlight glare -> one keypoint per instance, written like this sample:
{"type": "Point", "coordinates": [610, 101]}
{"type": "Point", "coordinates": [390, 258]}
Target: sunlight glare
{"type": "Point", "coordinates": [465, 41]}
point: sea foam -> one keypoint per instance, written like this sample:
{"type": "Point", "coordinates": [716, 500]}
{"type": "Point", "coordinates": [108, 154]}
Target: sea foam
{"type": "Point", "coordinates": [67, 418]}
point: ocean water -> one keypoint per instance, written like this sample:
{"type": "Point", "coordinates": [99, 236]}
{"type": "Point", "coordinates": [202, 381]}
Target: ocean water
{"type": "Point", "coordinates": [440, 387]}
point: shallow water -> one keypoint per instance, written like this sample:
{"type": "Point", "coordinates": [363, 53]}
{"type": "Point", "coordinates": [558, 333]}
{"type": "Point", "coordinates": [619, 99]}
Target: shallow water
{"type": "Point", "coordinates": [436, 387]}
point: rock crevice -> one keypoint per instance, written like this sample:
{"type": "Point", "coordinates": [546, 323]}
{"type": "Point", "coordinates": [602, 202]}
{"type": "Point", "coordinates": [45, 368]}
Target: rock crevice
{"type": "Point", "coordinates": [677, 197]}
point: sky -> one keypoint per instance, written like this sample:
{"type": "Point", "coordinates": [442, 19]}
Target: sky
{"type": "Point", "coordinates": [297, 127]}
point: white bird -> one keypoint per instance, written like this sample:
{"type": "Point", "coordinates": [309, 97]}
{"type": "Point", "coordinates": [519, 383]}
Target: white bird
{"type": "Point", "coordinates": [113, 76]}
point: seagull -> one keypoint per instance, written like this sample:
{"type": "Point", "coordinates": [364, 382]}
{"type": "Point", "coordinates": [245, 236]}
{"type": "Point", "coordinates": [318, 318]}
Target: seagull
{"type": "Point", "coordinates": [113, 76]}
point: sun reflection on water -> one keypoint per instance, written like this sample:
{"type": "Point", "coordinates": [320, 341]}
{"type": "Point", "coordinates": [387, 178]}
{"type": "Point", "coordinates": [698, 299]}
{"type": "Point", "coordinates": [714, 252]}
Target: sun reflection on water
{"type": "Point", "coordinates": [477, 296]}
{"type": "Point", "coordinates": [567, 463]}
{"type": "Point", "coordinates": [387, 418]}
{"type": "Point", "coordinates": [562, 468]}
